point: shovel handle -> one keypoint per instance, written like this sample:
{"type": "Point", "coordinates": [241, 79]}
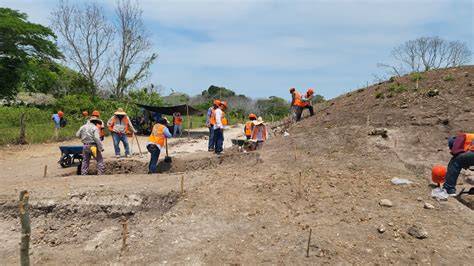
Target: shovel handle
{"type": "Point", "coordinates": [166, 144]}
{"type": "Point", "coordinates": [138, 144]}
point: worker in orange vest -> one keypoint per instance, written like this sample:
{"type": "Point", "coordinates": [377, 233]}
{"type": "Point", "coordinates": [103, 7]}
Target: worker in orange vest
{"type": "Point", "coordinates": [210, 122]}
{"type": "Point", "coordinates": [156, 141]}
{"type": "Point", "coordinates": [259, 133]}
{"type": "Point", "coordinates": [249, 126]}
{"type": "Point", "coordinates": [307, 100]}
{"type": "Point", "coordinates": [100, 125]}
{"type": "Point", "coordinates": [220, 123]}
{"type": "Point", "coordinates": [119, 125]}
{"type": "Point", "coordinates": [462, 149]}
{"type": "Point", "coordinates": [297, 104]}
{"type": "Point", "coordinates": [178, 125]}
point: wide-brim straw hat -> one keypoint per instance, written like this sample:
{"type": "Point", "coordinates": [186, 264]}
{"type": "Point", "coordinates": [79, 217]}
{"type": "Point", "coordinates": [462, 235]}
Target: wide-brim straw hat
{"type": "Point", "coordinates": [120, 111]}
{"type": "Point", "coordinates": [259, 121]}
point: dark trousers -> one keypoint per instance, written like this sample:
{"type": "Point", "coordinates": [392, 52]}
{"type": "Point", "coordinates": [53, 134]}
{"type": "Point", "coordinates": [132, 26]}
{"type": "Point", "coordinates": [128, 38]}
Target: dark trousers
{"type": "Point", "coordinates": [86, 158]}
{"type": "Point", "coordinates": [155, 154]}
{"type": "Point", "coordinates": [218, 140]}
{"type": "Point", "coordinates": [456, 164]}
{"type": "Point", "coordinates": [211, 144]}
{"type": "Point", "coordinates": [299, 111]}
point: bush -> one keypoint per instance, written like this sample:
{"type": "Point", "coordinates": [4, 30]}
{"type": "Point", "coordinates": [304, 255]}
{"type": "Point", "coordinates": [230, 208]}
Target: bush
{"type": "Point", "coordinates": [379, 95]}
{"type": "Point", "coordinates": [416, 76]}
{"type": "Point", "coordinates": [448, 77]}
{"type": "Point", "coordinates": [397, 88]}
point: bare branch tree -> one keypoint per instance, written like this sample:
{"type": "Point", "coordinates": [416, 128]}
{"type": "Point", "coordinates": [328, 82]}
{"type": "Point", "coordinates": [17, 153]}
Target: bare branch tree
{"type": "Point", "coordinates": [85, 38]}
{"type": "Point", "coordinates": [426, 53]}
{"type": "Point", "coordinates": [132, 64]}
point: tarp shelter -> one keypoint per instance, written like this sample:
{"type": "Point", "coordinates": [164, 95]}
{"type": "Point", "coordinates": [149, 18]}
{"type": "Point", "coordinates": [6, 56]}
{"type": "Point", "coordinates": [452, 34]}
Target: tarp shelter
{"type": "Point", "coordinates": [170, 110]}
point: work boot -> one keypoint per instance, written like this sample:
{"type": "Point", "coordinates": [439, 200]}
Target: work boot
{"type": "Point", "coordinates": [129, 156]}
{"type": "Point", "coordinates": [210, 150]}
{"type": "Point", "coordinates": [451, 192]}
{"type": "Point", "coordinates": [117, 156]}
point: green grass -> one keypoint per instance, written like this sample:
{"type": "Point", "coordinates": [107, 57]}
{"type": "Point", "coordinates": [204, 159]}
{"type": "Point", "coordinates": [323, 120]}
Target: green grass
{"type": "Point", "coordinates": [39, 127]}
{"type": "Point", "coordinates": [397, 88]}
{"type": "Point", "coordinates": [448, 77]}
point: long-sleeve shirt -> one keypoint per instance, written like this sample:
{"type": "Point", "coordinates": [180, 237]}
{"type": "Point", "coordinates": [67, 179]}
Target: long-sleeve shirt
{"type": "Point", "coordinates": [218, 119]}
{"type": "Point", "coordinates": [167, 134]}
{"type": "Point", "coordinates": [209, 114]}
{"type": "Point", "coordinates": [56, 119]}
{"type": "Point", "coordinates": [89, 134]}
{"type": "Point", "coordinates": [119, 126]}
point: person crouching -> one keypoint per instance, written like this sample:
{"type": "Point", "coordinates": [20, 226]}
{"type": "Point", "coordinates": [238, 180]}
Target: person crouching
{"type": "Point", "coordinates": [259, 133]}
{"type": "Point", "coordinates": [89, 134]}
{"type": "Point", "coordinates": [155, 142]}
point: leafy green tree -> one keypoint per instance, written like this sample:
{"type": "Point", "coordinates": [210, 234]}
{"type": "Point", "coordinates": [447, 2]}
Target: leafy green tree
{"type": "Point", "coordinates": [20, 42]}
{"type": "Point", "coordinates": [215, 92]}
{"type": "Point", "coordinates": [273, 106]}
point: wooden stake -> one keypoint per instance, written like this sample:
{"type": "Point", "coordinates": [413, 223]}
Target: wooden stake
{"type": "Point", "coordinates": [22, 139]}
{"type": "Point", "coordinates": [299, 185]}
{"type": "Point", "coordinates": [66, 186]}
{"type": "Point", "coordinates": [124, 233]}
{"type": "Point", "coordinates": [182, 184]}
{"type": "Point", "coordinates": [309, 242]}
{"type": "Point", "coordinates": [45, 170]}
{"type": "Point", "coordinates": [25, 228]}
{"type": "Point", "coordinates": [189, 122]}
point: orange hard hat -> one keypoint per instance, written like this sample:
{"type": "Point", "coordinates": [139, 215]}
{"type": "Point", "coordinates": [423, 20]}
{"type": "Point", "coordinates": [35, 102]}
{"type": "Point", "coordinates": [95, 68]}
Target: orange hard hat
{"type": "Point", "coordinates": [85, 113]}
{"type": "Point", "coordinates": [96, 113]}
{"type": "Point", "coordinates": [438, 174]}
{"type": "Point", "coordinates": [252, 116]}
{"type": "Point", "coordinates": [310, 91]}
{"type": "Point", "coordinates": [61, 113]}
{"type": "Point", "coordinates": [224, 103]}
{"type": "Point", "coordinates": [292, 89]}
{"type": "Point", "coordinates": [217, 102]}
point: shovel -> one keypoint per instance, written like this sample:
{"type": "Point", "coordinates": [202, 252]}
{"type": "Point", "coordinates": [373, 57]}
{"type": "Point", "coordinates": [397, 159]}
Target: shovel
{"type": "Point", "coordinates": [138, 144]}
{"type": "Point", "coordinates": [167, 158]}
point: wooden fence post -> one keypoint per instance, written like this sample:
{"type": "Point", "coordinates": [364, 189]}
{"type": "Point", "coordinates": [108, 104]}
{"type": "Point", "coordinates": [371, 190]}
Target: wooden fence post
{"type": "Point", "coordinates": [22, 140]}
{"type": "Point", "coordinates": [25, 228]}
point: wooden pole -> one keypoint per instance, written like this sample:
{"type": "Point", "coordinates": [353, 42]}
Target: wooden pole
{"type": "Point", "coordinates": [309, 242]}
{"type": "Point", "coordinates": [189, 122]}
{"type": "Point", "coordinates": [25, 228]}
{"type": "Point", "coordinates": [299, 185]}
{"type": "Point", "coordinates": [22, 140]}
{"type": "Point", "coordinates": [66, 186]}
{"type": "Point", "coordinates": [45, 170]}
{"type": "Point", "coordinates": [124, 233]}
{"type": "Point", "coordinates": [182, 184]}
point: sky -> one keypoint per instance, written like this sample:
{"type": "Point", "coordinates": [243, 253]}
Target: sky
{"type": "Point", "coordinates": [262, 48]}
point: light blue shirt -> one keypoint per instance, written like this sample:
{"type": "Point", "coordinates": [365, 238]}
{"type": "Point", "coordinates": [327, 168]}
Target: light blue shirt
{"type": "Point", "coordinates": [56, 119]}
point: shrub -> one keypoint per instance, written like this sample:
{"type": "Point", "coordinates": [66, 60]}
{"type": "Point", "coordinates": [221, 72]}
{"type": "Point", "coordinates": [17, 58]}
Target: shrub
{"type": "Point", "coordinates": [416, 76]}
{"type": "Point", "coordinates": [448, 77]}
{"type": "Point", "coordinates": [397, 88]}
{"type": "Point", "coordinates": [379, 95]}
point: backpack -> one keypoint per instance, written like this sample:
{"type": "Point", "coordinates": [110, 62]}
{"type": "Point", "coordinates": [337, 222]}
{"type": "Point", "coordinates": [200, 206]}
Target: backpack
{"type": "Point", "coordinates": [62, 122]}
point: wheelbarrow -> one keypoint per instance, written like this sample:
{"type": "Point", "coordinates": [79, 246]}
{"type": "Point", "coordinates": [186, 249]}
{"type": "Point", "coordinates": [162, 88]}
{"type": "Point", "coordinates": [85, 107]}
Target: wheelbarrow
{"type": "Point", "coordinates": [69, 154]}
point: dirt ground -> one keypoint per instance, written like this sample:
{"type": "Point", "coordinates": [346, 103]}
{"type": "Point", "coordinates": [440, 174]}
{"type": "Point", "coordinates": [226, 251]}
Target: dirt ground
{"type": "Point", "coordinates": [327, 174]}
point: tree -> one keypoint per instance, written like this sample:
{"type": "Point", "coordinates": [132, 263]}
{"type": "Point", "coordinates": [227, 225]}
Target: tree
{"type": "Point", "coordinates": [427, 53]}
{"type": "Point", "coordinates": [20, 42]}
{"type": "Point", "coordinates": [133, 44]}
{"type": "Point", "coordinates": [216, 92]}
{"type": "Point", "coordinates": [273, 106]}
{"type": "Point", "coordinates": [86, 38]}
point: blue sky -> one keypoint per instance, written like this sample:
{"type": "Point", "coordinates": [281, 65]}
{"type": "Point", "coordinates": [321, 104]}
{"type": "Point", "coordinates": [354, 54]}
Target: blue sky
{"type": "Point", "coordinates": [261, 48]}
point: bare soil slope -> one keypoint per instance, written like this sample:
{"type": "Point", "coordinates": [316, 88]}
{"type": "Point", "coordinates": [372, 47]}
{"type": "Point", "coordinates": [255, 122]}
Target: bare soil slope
{"type": "Point", "coordinates": [329, 175]}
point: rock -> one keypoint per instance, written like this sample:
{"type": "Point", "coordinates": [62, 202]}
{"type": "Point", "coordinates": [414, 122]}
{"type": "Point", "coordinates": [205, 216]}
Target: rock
{"type": "Point", "coordinates": [386, 203]}
{"type": "Point", "coordinates": [390, 224]}
{"type": "Point", "coordinates": [470, 180]}
{"type": "Point", "coordinates": [419, 199]}
{"type": "Point", "coordinates": [428, 206]}
{"type": "Point", "coordinates": [381, 229]}
{"type": "Point", "coordinates": [432, 93]}
{"type": "Point", "coordinates": [417, 231]}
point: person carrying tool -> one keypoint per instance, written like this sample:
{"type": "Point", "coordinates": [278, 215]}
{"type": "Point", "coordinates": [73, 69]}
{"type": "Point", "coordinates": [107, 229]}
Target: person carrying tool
{"type": "Point", "coordinates": [89, 135]}
{"type": "Point", "coordinates": [178, 125]}
{"type": "Point", "coordinates": [100, 125]}
{"type": "Point", "coordinates": [462, 149]}
{"type": "Point", "coordinates": [210, 122]}
{"type": "Point", "coordinates": [56, 118]}
{"type": "Point", "coordinates": [307, 100]}
{"type": "Point", "coordinates": [259, 133]}
{"type": "Point", "coordinates": [220, 123]}
{"type": "Point", "coordinates": [119, 125]}
{"type": "Point", "coordinates": [155, 142]}
{"type": "Point", "coordinates": [249, 126]}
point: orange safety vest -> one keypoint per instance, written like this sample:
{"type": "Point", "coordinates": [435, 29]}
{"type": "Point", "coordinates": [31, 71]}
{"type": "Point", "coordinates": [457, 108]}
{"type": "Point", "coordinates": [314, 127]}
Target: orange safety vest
{"type": "Point", "coordinates": [255, 132]}
{"type": "Point", "coordinates": [157, 135]}
{"type": "Point", "coordinates": [248, 128]}
{"type": "Point", "coordinates": [178, 120]}
{"type": "Point", "coordinates": [213, 118]}
{"type": "Point", "coordinates": [469, 142]}
{"type": "Point", "coordinates": [298, 101]}
{"type": "Point", "coordinates": [112, 124]}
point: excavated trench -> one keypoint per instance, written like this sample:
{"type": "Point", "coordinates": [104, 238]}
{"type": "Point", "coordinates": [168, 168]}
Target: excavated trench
{"type": "Point", "coordinates": [178, 165]}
